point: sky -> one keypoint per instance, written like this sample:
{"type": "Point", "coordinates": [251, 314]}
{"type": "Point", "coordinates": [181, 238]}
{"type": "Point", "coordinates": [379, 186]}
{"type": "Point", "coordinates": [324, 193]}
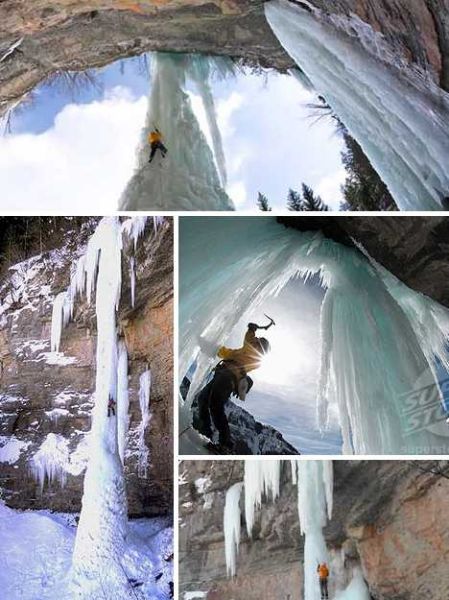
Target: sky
{"type": "Point", "coordinates": [285, 387]}
{"type": "Point", "coordinates": [69, 150]}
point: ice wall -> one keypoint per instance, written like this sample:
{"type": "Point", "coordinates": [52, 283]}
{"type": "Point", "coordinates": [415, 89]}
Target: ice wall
{"type": "Point", "coordinates": [372, 357]}
{"type": "Point", "coordinates": [398, 117]}
{"type": "Point", "coordinates": [187, 179]}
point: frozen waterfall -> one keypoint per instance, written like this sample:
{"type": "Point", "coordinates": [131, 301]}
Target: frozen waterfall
{"type": "Point", "coordinates": [187, 179]}
{"type": "Point", "coordinates": [399, 117]}
{"type": "Point", "coordinates": [100, 538]}
{"type": "Point", "coordinates": [315, 490]}
{"type": "Point", "coordinates": [374, 357]}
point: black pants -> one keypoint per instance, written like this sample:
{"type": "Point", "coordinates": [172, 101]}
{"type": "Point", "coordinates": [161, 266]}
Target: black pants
{"type": "Point", "coordinates": [111, 411]}
{"type": "Point", "coordinates": [323, 589]}
{"type": "Point", "coordinates": [157, 146]}
{"type": "Point", "coordinates": [211, 405]}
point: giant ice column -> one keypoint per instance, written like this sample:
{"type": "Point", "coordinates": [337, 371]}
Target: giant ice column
{"type": "Point", "coordinates": [399, 118]}
{"type": "Point", "coordinates": [315, 490]}
{"type": "Point", "coordinates": [187, 179]}
{"type": "Point", "coordinates": [102, 527]}
{"type": "Point", "coordinates": [373, 358]}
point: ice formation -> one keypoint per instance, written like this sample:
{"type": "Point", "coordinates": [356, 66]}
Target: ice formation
{"type": "Point", "coordinates": [261, 479]}
{"type": "Point", "coordinates": [51, 460]}
{"type": "Point", "coordinates": [132, 276]}
{"type": "Point", "coordinates": [187, 179]}
{"type": "Point", "coordinates": [103, 521]}
{"type": "Point", "coordinates": [374, 349]}
{"type": "Point", "coordinates": [11, 448]}
{"type": "Point", "coordinates": [356, 590]}
{"type": "Point", "coordinates": [399, 117]}
{"type": "Point", "coordinates": [61, 316]}
{"type": "Point", "coordinates": [144, 402]}
{"type": "Point", "coordinates": [122, 399]}
{"type": "Point", "coordinates": [231, 526]}
{"type": "Point", "coordinates": [315, 490]}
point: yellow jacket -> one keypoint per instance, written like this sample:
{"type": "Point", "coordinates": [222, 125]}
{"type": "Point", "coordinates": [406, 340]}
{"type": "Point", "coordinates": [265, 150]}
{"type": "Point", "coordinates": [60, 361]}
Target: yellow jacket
{"type": "Point", "coordinates": [154, 137]}
{"type": "Point", "coordinates": [323, 571]}
{"type": "Point", "coordinates": [248, 356]}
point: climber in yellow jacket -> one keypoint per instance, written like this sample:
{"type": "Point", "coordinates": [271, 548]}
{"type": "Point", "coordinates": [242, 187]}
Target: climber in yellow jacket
{"type": "Point", "coordinates": [155, 141]}
{"type": "Point", "coordinates": [323, 575]}
{"type": "Point", "coordinates": [230, 377]}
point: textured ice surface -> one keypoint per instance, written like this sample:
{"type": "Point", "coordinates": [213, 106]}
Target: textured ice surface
{"type": "Point", "coordinates": [187, 179]}
{"type": "Point", "coordinates": [398, 117]}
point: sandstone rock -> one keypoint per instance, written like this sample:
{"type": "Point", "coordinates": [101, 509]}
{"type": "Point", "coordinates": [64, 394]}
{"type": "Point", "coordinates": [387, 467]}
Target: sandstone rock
{"type": "Point", "coordinates": [38, 398]}
{"type": "Point", "coordinates": [389, 516]}
{"type": "Point", "coordinates": [91, 33]}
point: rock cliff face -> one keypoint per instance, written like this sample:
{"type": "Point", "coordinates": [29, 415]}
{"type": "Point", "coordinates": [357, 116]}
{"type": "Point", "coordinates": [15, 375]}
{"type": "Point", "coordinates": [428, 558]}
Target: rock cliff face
{"type": "Point", "coordinates": [43, 392]}
{"type": "Point", "coordinates": [389, 517]}
{"type": "Point", "coordinates": [80, 34]}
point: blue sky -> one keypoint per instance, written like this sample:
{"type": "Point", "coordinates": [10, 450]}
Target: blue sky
{"type": "Point", "coordinates": [67, 151]}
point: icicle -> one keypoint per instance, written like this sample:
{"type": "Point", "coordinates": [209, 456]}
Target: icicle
{"type": "Point", "coordinates": [144, 402]}
{"type": "Point", "coordinates": [122, 399]}
{"type": "Point", "coordinates": [187, 178]}
{"type": "Point", "coordinates": [51, 460]}
{"type": "Point", "coordinates": [261, 479]}
{"type": "Point", "coordinates": [134, 228]}
{"type": "Point", "coordinates": [398, 116]}
{"type": "Point", "coordinates": [62, 310]}
{"type": "Point", "coordinates": [232, 527]}
{"type": "Point", "coordinates": [132, 276]}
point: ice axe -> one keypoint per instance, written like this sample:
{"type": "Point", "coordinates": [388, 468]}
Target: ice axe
{"type": "Point", "coordinates": [272, 322]}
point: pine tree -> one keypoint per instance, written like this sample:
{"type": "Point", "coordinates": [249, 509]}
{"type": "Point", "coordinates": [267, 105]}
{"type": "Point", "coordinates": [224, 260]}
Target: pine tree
{"type": "Point", "coordinates": [363, 188]}
{"type": "Point", "coordinates": [294, 201]}
{"type": "Point", "coordinates": [310, 202]}
{"type": "Point", "coordinates": [262, 203]}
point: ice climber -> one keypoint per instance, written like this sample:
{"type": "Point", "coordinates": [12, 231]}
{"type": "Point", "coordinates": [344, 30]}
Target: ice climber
{"type": "Point", "coordinates": [155, 140]}
{"type": "Point", "coordinates": [111, 407]}
{"type": "Point", "coordinates": [230, 377]}
{"type": "Point", "coordinates": [323, 575]}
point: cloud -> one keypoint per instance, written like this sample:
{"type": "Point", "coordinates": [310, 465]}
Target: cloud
{"type": "Point", "coordinates": [237, 191]}
{"type": "Point", "coordinates": [80, 164]}
{"type": "Point", "coordinates": [329, 188]}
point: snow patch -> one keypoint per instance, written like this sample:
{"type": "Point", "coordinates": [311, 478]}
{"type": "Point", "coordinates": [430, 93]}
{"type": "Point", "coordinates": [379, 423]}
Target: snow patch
{"type": "Point", "coordinates": [11, 448]}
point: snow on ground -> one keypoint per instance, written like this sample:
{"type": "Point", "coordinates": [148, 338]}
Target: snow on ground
{"type": "Point", "coordinates": [40, 574]}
